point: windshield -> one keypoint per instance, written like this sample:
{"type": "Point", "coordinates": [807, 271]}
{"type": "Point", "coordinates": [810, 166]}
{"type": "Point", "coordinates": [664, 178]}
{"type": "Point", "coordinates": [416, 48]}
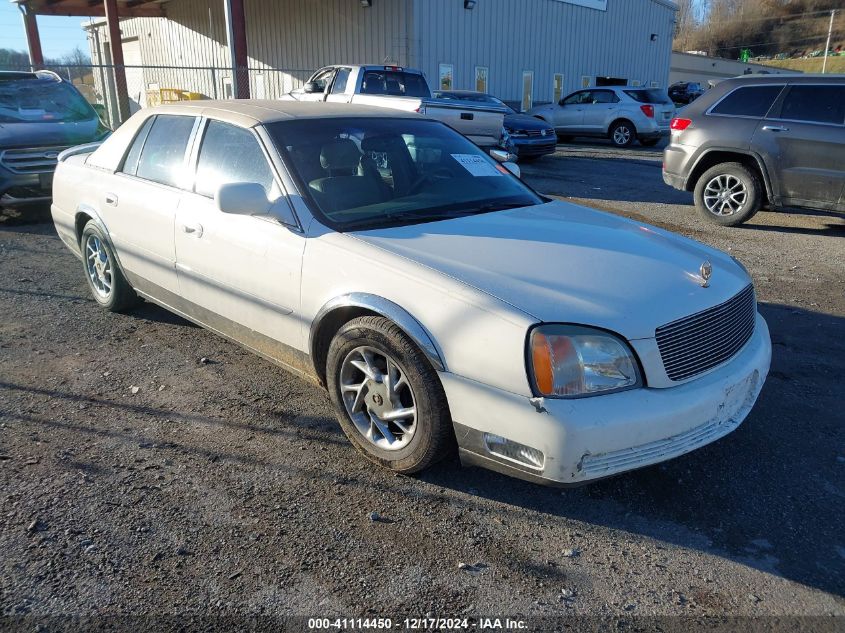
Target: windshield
{"type": "Point", "coordinates": [395, 83]}
{"type": "Point", "coordinates": [374, 172]}
{"type": "Point", "coordinates": [38, 100]}
{"type": "Point", "coordinates": [476, 97]}
{"type": "Point", "coordinates": [649, 96]}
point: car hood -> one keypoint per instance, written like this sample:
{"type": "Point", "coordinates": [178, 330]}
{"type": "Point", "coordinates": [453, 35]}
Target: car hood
{"type": "Point", "coordinates": [559, 262]}
{"type": "Point", "coordinates": [525, 122]}
{"type": "Point", "coordinates": [47, 133]}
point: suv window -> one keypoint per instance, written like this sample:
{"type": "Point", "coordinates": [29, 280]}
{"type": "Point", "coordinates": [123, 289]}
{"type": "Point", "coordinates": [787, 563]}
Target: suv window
{"type": "Point", "coordinates": [578, 98]}
{"type": "Point", "coordinates": [162, 158]}
{"type": "Point", "coordinates": [753, 101]}
{"type": "Point", "coordinates": [816, 104]}
{"type": "Point", "coordinates": [604, 96]}
{"type": "Point", "coordinates": [230, 154]}
{"type": "Point", "coordinates": [651, 95]}
{"type": "Point", "coordinates": [130, 163]}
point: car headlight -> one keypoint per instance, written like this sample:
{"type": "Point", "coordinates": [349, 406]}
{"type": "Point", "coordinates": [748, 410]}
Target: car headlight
{"type": "Point", "coordinates": [570, 361]}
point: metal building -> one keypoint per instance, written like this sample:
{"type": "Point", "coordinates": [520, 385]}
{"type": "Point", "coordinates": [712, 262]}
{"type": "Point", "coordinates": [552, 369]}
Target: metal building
{"type": "Point", "coordinates": [524, 51]}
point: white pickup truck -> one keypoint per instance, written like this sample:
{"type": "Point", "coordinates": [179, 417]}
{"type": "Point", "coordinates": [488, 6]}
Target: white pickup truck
{"type": "Point", "coordinates": [402, 89]}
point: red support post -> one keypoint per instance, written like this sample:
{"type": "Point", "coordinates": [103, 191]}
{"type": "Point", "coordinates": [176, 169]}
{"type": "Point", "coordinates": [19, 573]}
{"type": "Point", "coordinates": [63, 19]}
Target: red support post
{"type": "Point", "coordinates": [236, 21]}
{"type": "Point", "coordinates": [33, 39]}
{"type": "Point", "coordinates": [116, 45]}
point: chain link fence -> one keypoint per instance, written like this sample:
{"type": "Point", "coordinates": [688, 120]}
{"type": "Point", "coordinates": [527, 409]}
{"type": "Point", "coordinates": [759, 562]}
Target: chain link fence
{"type": "Point", "coordinates": [153, 85]}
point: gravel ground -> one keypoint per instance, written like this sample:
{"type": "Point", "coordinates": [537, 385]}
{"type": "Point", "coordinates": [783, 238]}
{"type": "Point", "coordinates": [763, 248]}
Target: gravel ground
{"type": "Point", "coordinates": [138, 478]}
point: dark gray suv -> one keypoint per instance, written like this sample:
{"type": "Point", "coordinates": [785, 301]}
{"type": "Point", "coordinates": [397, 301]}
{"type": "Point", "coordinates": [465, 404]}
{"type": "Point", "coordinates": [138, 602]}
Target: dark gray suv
{"type": "Point", "coordinates": [761, 139]}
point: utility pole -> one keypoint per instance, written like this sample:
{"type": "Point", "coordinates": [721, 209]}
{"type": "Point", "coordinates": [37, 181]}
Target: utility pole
{"type": "Point", "coordinates": [827, 45]}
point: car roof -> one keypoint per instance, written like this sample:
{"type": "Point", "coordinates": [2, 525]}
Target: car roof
{"type": "Point", "coordinates": [251, 112]}
{"type": "Point", "coordinates": [45, 75]}
{"type": "Point", "coordinates": [801, 78]}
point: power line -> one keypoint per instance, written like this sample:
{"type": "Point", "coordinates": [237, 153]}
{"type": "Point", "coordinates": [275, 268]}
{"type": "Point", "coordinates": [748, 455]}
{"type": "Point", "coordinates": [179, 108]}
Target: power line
{"type": "Point", "coordinates": [776, 17]}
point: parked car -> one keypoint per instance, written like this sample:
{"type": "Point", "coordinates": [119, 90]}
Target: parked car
{"type": "Point", "coordinates": [755, 140]}
{"type": "Point", "coordinates": [685, 92]}
{"type": "Point", "coordinates": [526, 136]}
{"type": "Point", "coordinates": [439, 299]}
{"type": "Point", "coordinates": [619, 113]}
{"type": "Point", "coordinates": [40, 115]}
{"type": "Point", "coordinates": [403, 89]}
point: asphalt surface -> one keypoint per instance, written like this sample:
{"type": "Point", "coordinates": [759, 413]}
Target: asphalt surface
{"type": "Point", "coordinates": [139, 479]}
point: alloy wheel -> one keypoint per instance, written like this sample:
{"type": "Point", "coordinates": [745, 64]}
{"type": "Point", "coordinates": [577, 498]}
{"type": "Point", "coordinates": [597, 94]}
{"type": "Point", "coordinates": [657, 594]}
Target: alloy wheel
{"type": "Point", "coordinates": [622, 135]}
{"type": "Point", "coordinates": [378, 398]}
{"type": "Point", "coordinates": [725, 195]}
{"type": "Point", "coordinates": [99, 266]}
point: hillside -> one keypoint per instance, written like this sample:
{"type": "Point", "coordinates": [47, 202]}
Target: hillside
{"type": "Point", "coordinates": [812, 65]}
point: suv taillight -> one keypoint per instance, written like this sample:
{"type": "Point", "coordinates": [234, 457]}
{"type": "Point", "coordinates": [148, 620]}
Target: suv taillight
{"type": "Point", "coordinates": [648, 110]}
{"type": "Point", "coordinates": [680, 124]}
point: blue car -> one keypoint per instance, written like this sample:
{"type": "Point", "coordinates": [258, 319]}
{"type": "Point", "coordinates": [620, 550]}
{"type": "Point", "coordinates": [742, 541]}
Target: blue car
{"type": "Point", "coordinates": [40, 116]}
{"type": "Point", "coordinates": [526, 136]}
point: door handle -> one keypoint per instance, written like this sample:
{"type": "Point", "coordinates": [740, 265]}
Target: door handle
{"type": "Point", "coordinates": [192, 229]}
{"type": "Point", "coordinates": [111, 199]}
{"type": "Point", "coordinates": [467, 116]}
{"type": "Point", "coordinates": [775, 128]}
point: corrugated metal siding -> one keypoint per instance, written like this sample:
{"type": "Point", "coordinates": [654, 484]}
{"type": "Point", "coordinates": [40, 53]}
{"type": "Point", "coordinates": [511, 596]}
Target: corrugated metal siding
{"type": "Point", "coordinates": [546, 37]}
{"type": "Point", "coordinates": [288, 39]}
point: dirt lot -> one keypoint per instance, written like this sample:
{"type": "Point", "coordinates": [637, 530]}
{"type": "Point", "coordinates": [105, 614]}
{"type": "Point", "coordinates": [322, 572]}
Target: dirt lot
{"type": "Point", "coordinates": [138, 479]}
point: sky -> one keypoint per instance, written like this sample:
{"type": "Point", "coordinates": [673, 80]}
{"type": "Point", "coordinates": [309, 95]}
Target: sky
{"type": "Point", "coordinates": [59, 35]}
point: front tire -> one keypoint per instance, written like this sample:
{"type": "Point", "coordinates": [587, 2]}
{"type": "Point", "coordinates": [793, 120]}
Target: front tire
{"type": "Point", "coordinates": [728, 194]}
{"type": "Point", "coordinates": [388, 399]}
{"type": "Point", "coordinates": [622, 133]}
{"type": "Point", "coordinates": [102, 272]}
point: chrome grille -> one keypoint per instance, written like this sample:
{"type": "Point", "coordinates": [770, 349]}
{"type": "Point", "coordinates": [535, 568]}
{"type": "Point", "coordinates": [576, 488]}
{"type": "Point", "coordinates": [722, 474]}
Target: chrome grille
{"type": "Point", "coordinates": [36, 160]}
{"type": "Point", "coordinates": [699, 342]}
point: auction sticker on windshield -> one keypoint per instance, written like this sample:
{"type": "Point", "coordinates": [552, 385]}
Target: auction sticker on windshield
{"type": "Point", "coordinates": [476, 165]}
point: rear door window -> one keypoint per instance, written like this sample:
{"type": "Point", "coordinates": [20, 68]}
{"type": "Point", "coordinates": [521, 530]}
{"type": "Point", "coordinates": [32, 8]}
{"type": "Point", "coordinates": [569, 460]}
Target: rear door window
{"type": "Point", "coordinates": [604, 96]}
{"type": "Point", "coordinates": [815, 104]}
{"type": "Point", "coordinates": [163, 157]}
{"type": "Point", "coordinates": [130, 164]}
{"type": "Point", "coordinates": [751, 101]}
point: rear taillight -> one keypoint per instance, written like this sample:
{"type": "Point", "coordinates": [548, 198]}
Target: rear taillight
{"type": "Point", "coordinates": [648, 110]}
{"type": "Point", "coordinates": [680, 124]}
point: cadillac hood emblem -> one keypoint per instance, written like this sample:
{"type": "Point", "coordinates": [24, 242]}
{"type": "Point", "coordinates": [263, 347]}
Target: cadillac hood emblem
{"type": "Point", "coordinates": [705, 272]}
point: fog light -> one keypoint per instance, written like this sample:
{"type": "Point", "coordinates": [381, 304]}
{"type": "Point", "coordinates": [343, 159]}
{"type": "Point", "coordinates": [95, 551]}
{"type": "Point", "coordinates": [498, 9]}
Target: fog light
{"type": "Point", "coordinates": [514, 451]}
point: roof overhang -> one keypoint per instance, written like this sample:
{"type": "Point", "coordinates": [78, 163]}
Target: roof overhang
{"type": "Point", "coordinates": [94, 8]}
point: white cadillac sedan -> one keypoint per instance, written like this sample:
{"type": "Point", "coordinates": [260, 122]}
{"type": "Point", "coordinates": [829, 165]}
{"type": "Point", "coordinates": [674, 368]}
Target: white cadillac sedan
{"type": "Point", "coordinates": [438, 299]}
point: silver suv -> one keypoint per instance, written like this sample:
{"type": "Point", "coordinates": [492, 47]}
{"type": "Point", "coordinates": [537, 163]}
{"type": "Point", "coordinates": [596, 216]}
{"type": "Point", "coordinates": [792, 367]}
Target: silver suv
{"type": "Point", "coordinates": [759, 139]}
{"type": "Point", "coordinates": [621, 113]}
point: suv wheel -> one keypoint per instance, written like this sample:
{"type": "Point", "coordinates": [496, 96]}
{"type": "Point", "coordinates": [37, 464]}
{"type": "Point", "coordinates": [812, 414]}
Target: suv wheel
{"type": "Point", "coordinates": [623, 133]}
{"type": "Point", "coordinates": [728, 194]}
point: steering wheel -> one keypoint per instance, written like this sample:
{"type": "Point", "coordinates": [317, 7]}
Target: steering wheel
{"type": "Point", "coordinates": [441, 173]}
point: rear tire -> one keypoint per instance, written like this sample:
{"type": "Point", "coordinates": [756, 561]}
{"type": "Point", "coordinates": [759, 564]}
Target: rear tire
{"type": "Point", "coordinates": [622, 133]}
{"type": "Point", "coordinates": [375, 375]}
{"type": "Point", "coordinates": [728, 194]}
{"type": "Point", "coordinates": [105, 279]}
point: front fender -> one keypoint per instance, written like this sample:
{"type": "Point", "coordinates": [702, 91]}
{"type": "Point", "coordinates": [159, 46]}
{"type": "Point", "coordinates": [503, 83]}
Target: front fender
{"type": "Point", "coordinates": [385, 308]}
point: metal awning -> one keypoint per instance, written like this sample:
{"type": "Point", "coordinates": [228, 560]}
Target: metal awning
{"type": "Point", "coordinates": [95, 8]}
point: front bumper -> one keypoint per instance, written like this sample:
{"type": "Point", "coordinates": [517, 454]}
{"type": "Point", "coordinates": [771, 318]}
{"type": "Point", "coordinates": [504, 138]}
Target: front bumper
{"type": "Point", "coordinates": [533, 147]}
{"type": "Point", "coordinates": [22, 189]}
{"type": "Point", "coordinates": [585, 439]}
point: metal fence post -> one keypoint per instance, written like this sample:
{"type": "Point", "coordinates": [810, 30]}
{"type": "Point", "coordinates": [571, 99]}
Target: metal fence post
{"type": "Point", "coordinates": [213, 81]}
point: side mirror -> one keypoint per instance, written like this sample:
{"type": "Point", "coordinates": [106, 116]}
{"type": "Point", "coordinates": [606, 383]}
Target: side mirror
{"type": "Point", "coordinates": [242, 198]}
{"type": "Point", "coordinates": [513, 168]}
{"type": "Point", "coordinates": [311, 87]}
{"type": "Point", "coordinates": [502, 156]}
{"type": "Point", "coordinates": [561, 103]}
